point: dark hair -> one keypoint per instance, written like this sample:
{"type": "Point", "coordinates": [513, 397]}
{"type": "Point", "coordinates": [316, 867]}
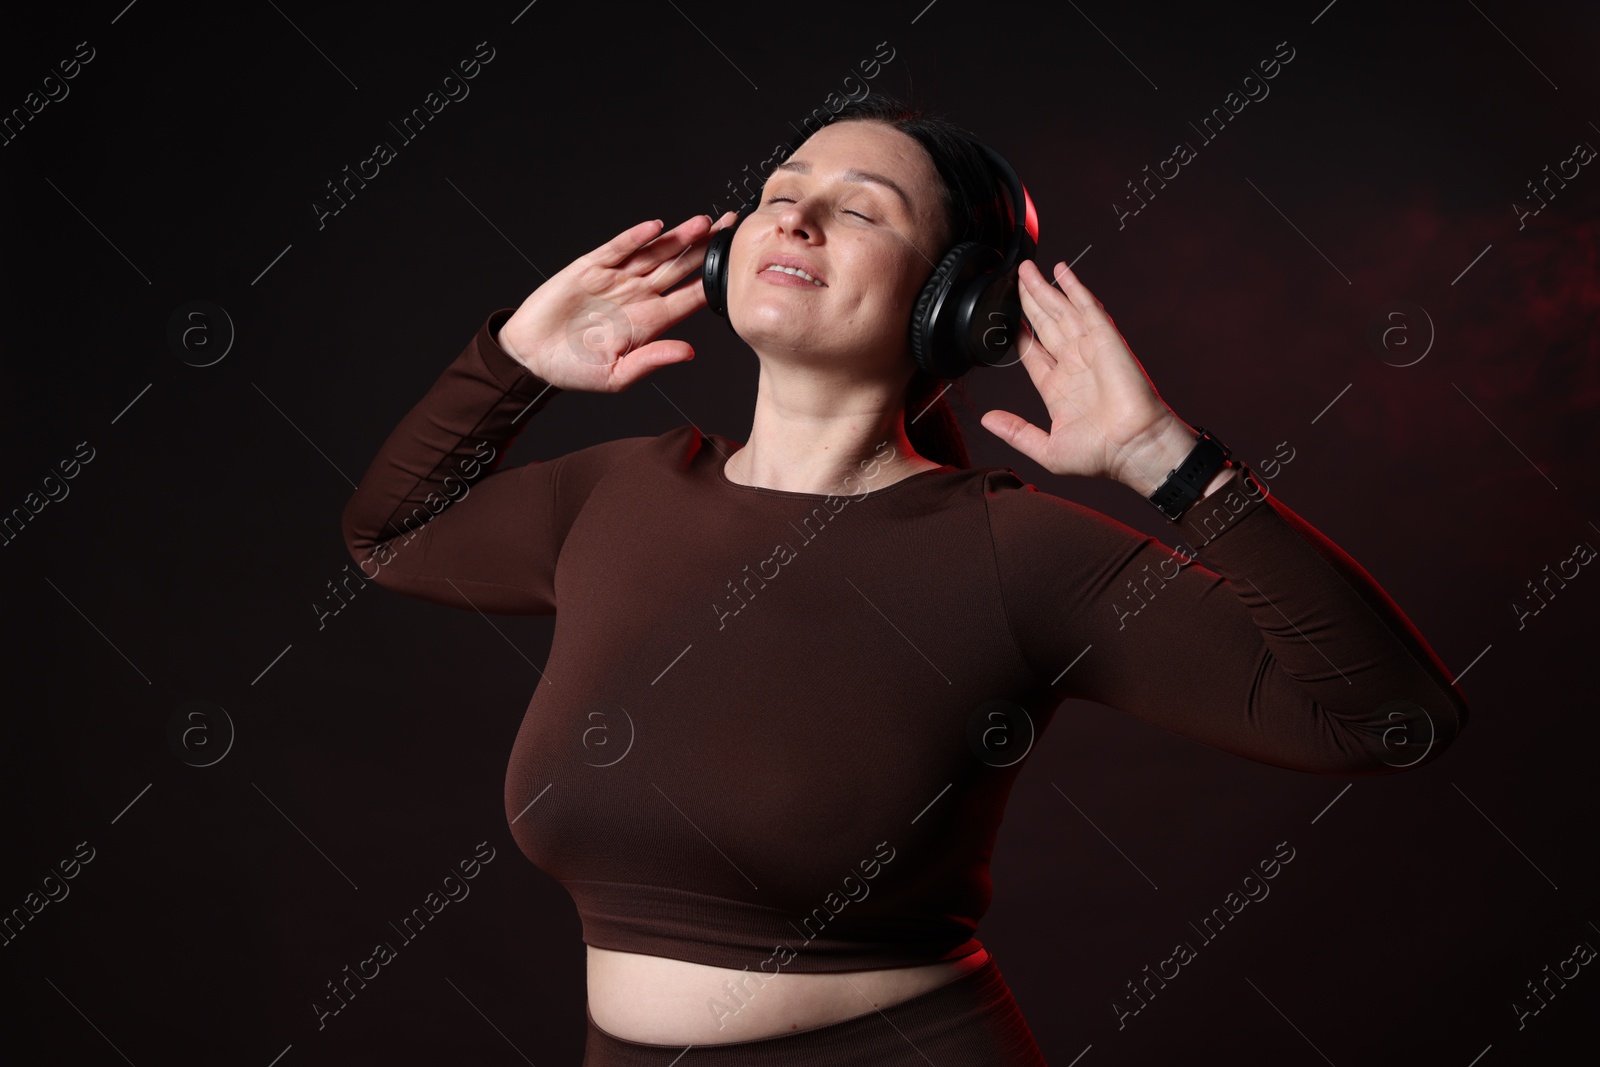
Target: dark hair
{"type": "Point", "coordinates": [975, 210]}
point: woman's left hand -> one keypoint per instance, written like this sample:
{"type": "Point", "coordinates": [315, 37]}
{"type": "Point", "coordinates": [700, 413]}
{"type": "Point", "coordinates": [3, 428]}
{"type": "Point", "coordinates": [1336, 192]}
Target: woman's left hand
{"type": "Point", "coordinates": [1106, 419]}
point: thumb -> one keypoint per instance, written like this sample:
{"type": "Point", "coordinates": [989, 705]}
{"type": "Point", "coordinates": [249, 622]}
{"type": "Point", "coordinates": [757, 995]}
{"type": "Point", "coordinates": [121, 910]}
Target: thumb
{"type": "Point", "coordinates": [1018, 432]}
{"type": "Point", "coordinates": [646, 358]}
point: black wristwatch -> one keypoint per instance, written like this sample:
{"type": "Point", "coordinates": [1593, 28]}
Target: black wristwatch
{"type": "Point", "coordinates": [1187, 482]}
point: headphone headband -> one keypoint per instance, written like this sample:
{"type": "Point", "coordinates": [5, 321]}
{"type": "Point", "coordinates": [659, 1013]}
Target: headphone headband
{"type": "Point", "coordinates": [1025, 225]}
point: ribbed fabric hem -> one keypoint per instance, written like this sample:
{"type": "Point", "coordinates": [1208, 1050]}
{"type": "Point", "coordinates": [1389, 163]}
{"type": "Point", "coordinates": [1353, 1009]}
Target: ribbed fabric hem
{"type": "Point", "coordinates": [684, 925]}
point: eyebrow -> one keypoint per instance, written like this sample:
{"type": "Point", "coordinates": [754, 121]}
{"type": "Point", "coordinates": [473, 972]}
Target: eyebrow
{"type": "Point", "coordinates": [801, 167]}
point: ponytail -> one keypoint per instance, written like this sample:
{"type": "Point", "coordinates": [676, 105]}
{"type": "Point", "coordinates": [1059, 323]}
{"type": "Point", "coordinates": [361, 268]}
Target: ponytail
{"type": "Point", "coordinates": [931, 424]}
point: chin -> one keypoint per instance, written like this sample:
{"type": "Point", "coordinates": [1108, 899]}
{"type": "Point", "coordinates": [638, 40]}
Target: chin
{"type": "Point", "coordinates": [769, 322]}
{"type": "Point", "coordinates": [760, 335]}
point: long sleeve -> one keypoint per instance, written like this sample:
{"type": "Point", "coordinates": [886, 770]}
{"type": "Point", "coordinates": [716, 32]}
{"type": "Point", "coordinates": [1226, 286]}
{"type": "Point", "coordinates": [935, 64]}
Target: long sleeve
{"type": "Point", "coordinates": [433, 518]}
{"type": "Point", "coordinates": [1274, 645]}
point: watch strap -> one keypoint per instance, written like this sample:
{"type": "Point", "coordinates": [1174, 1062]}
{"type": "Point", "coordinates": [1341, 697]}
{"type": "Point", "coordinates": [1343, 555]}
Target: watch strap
{"type": "Point", "coordinates": [1187, 482]}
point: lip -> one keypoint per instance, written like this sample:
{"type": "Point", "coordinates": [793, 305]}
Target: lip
{"type": "Point", "coordinates": [780, 260]}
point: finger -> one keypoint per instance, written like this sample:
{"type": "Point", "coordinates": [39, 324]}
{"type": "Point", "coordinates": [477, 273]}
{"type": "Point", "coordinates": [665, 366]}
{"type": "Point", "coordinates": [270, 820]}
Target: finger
{"type": "Point", "coordinates": [688, 261]}
{"type": "Point", "coordinates": [1059, 341]}
{"type": "Point", "coordinates": [1055, 304]}
{"type": "Point", "coordinates": [1026, 341]}
{"type": "Point", "coordinates": [1083, 301]}
{"type": "Point", "coordinates": [662, 313]}
{"type": "Point", "coordinates": [690, 245]}
{"type": "Point", "coordinates": [624, 244]}
{"type": "Point", "coordinates": [1031, 333]}
{"type": "Point", "coordinates": [672, 307]}
{"type": "Point", "coordinates": [1018, 432]}
{"type": "Point", "coordinates": [688, 231]}
{"type": "Point", "coordinates": [669, 245]}
{"type": "Point", "coordinates": [1038, 361]}
{"type": "Point", "coordinates": [647, 358]}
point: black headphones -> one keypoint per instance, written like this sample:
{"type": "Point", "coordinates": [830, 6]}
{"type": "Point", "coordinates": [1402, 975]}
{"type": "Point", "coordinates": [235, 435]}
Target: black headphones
{"type": "Point", "coordinates": [968, 312]}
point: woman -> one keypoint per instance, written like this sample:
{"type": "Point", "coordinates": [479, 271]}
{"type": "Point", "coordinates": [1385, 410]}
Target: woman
{"type": "Point", "coordinates": [775, 817]}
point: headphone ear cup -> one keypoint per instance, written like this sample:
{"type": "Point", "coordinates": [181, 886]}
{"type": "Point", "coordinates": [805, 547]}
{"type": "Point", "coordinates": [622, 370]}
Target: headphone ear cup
{"type": "Point", "coordinates": [714, 270]}
{"type": "Point", "coordinates": [932, 315]}
{"type": "Point", "coordinates": [998, 298]}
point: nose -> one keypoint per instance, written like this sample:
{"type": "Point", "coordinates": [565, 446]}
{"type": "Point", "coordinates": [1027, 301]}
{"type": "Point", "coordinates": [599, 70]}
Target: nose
{"type": "Point", "coordinates": [794, 220]}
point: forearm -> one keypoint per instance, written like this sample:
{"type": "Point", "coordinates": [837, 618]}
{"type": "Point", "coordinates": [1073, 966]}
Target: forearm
{"type": "Point", "coordinates": [1275, 645]}
{"type": "Point", "coordinates": [1334, 635]}
{"type": "Point", "coordinates": [452, 438]}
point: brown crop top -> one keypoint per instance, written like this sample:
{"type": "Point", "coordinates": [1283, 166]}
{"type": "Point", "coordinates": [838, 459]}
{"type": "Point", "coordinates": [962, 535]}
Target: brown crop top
{"type": "Point", "coordinates": [765, 734]}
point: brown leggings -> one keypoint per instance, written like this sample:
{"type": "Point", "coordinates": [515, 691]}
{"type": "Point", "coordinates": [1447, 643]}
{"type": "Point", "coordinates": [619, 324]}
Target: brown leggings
{"type": "Point", "coordinates": [972, 1020]}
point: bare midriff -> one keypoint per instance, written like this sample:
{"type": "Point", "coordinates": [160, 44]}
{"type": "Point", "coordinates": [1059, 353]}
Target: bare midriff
{"type": "Point", "coordinates": [661, 1001]}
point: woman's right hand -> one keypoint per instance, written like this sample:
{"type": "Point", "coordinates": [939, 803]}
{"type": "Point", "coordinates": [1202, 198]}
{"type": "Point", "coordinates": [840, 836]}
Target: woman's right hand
{"type": "Point", "coordinates": [593, 326]}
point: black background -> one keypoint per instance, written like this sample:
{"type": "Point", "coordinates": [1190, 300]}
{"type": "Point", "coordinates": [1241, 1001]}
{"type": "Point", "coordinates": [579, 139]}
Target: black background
{"type": "Point", "coordinates": [185, 561]}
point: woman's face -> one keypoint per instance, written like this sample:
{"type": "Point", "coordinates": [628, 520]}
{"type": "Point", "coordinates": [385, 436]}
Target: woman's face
{"type": "Point", "coordinates": [858, 206]}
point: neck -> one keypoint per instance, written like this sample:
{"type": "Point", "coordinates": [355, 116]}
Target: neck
{"type": "Point", "coordinates": [838, 443]}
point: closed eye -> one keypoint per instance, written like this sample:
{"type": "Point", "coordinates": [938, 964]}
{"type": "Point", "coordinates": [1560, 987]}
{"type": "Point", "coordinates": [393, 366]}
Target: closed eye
{"type": "Point", "coordinates": [790, 199]}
